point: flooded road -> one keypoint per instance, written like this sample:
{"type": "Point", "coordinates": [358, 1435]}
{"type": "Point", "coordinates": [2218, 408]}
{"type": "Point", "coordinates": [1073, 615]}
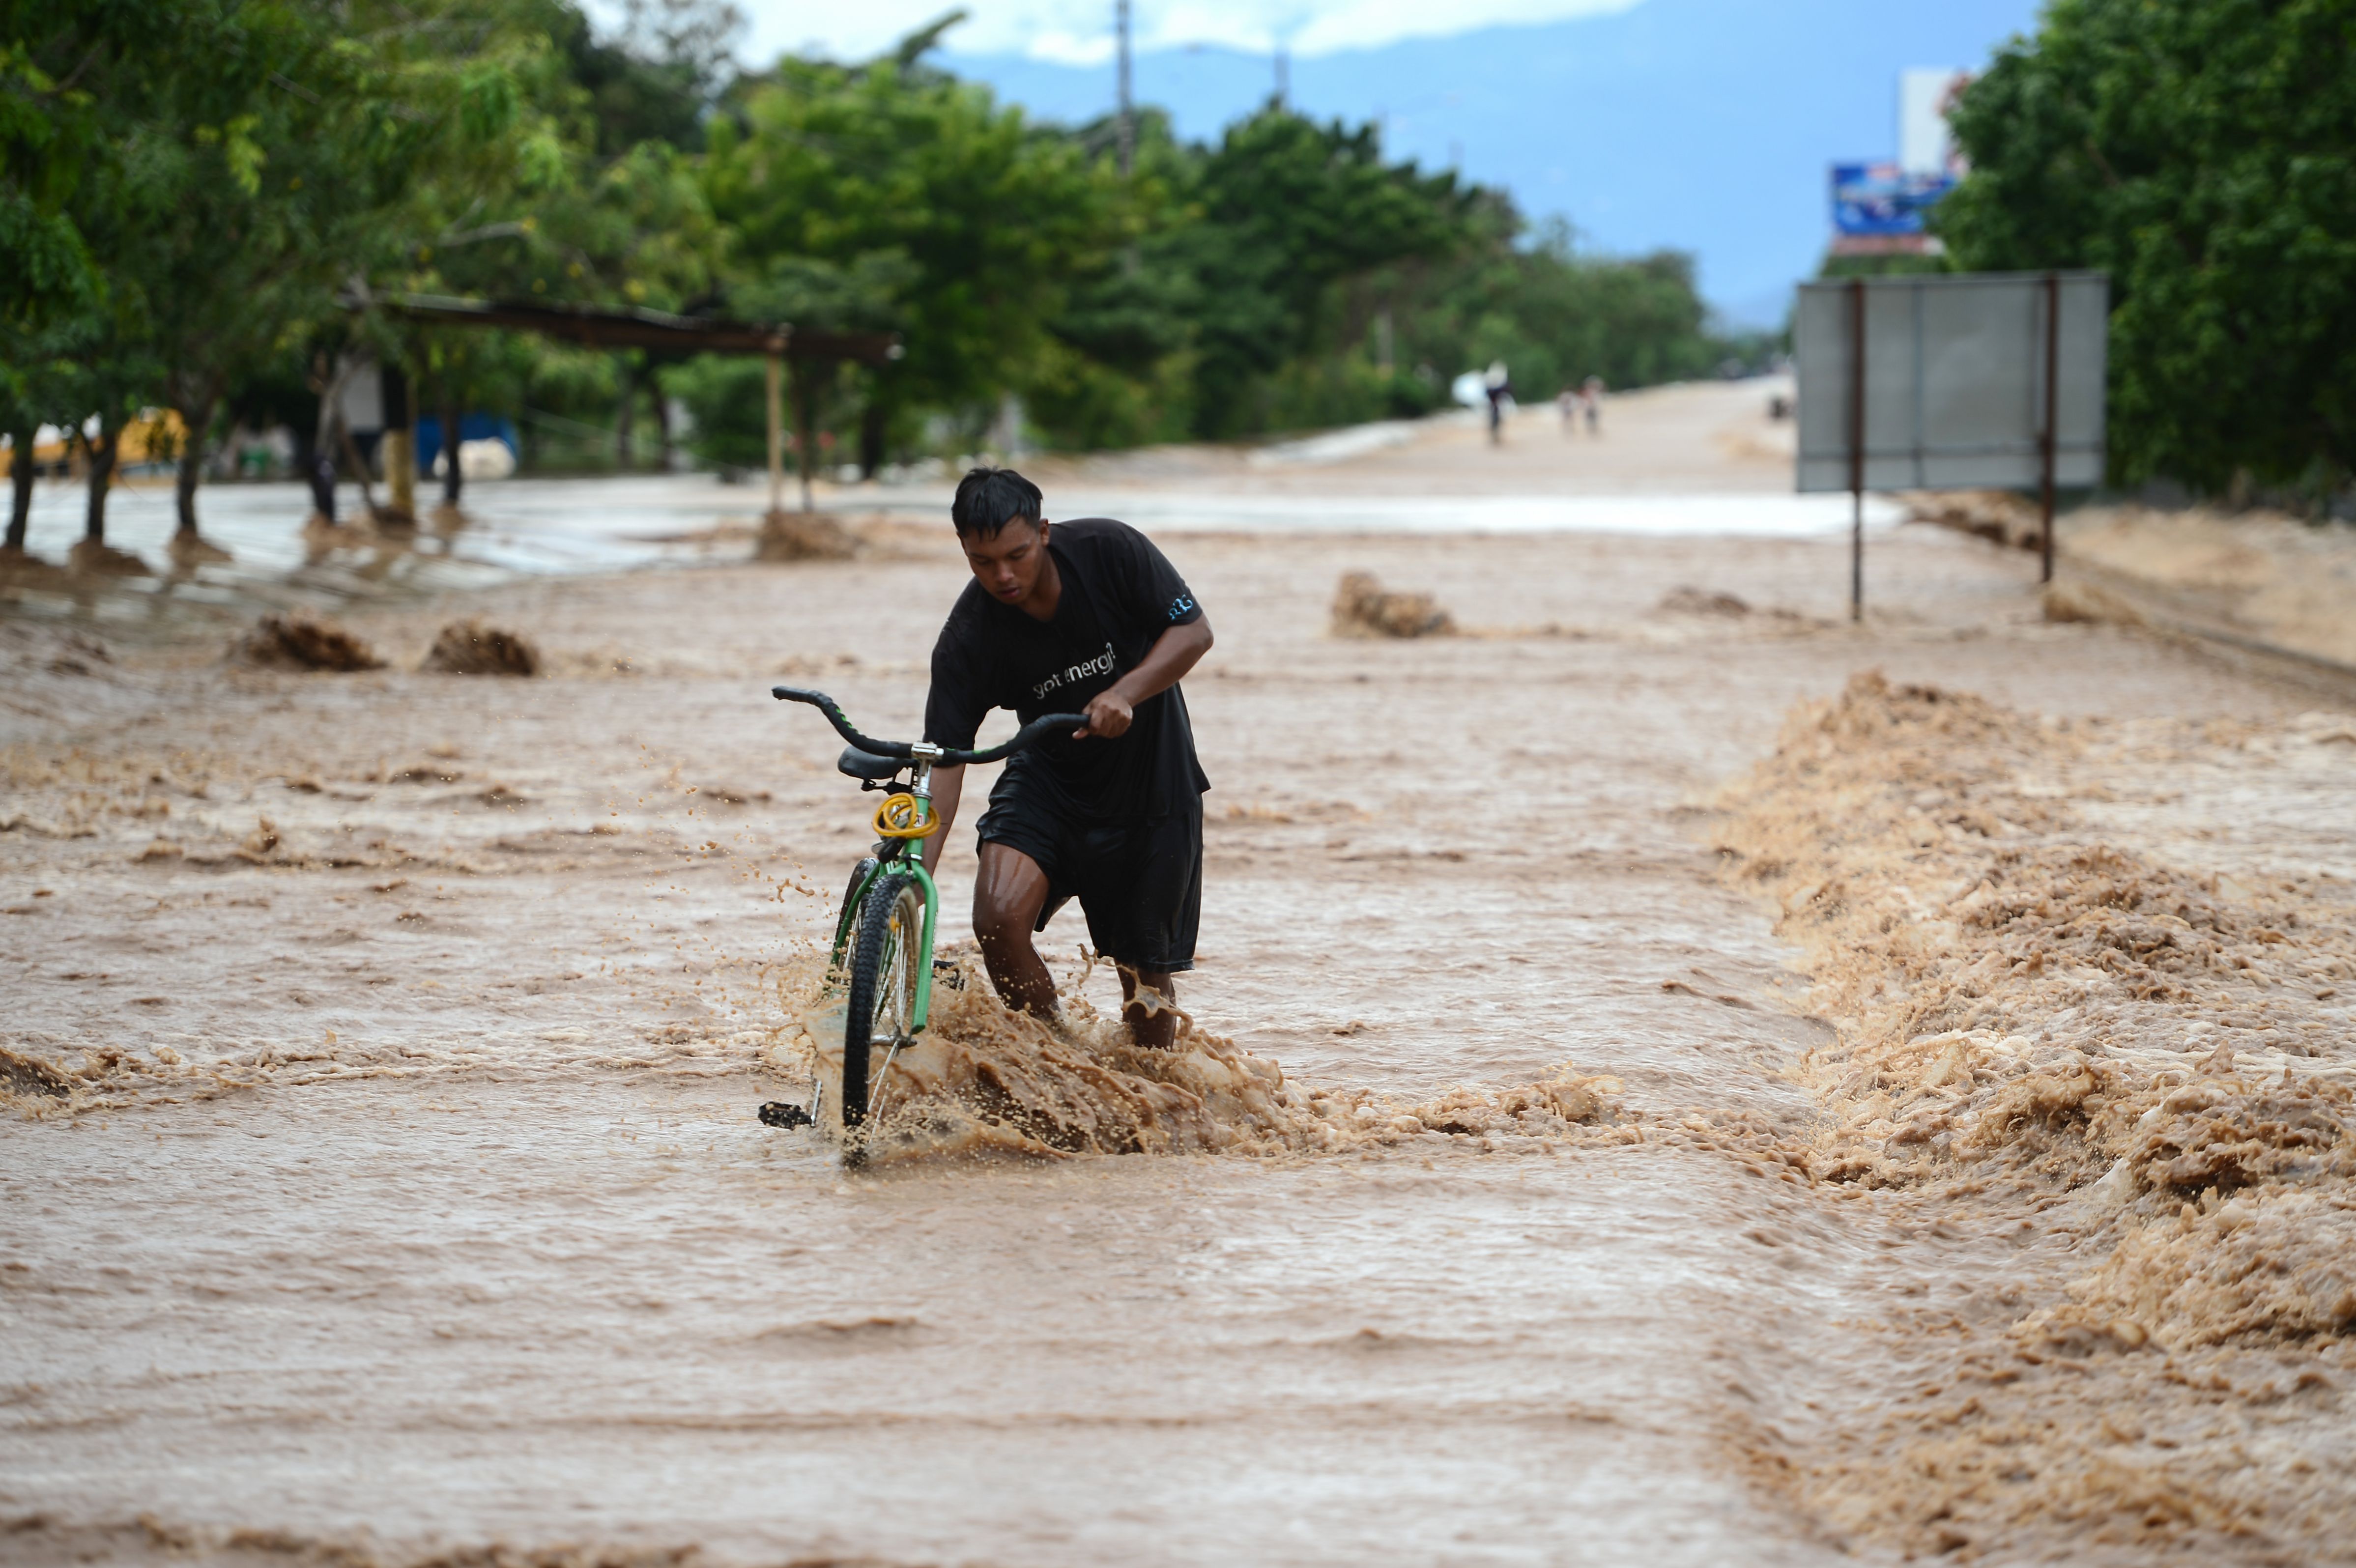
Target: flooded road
{"type": "Point", "coordinates": [405, 1198]}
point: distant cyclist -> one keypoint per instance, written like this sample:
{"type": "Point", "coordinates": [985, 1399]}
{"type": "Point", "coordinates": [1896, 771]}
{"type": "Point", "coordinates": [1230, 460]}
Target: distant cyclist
{"type": "Point", "coordinates": [1089, 617]}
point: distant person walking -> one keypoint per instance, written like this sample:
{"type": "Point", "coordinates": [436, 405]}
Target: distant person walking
{"type": "Point", "coordinates": [1500, 388]}
{"type": "Point", "coordinates": [1566, 404]}
{"type": "Point", "coordinates": [1590, 397]}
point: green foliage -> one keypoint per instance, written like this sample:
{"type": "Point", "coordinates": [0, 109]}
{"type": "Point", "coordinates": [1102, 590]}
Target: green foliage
{"type": "Point", "coordinates": [890, 195]}
{"type": "Point", "coordinates": [2203, 152]}
{"type": "Point", "coordinates": [1289, 209]}
{"type": "Point", "coordinates": [1249, 301]}
{"type": "Point", "coordinates": [727, 397]}
{"type": "Point", "coordinates": [193, 192]}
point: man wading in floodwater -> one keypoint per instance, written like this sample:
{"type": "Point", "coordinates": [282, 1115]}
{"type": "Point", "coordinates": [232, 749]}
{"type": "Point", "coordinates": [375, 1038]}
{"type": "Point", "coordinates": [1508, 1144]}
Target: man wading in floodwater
{"type": "Point", "coordinates": [1082, 617]}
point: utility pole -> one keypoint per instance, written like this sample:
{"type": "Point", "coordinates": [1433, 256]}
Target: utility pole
{"type": "Point", "coordinates": [1128, 114]}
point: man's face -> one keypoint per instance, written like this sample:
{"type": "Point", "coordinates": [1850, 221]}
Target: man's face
{"type": "Point", "coordinates": [1007, 563]}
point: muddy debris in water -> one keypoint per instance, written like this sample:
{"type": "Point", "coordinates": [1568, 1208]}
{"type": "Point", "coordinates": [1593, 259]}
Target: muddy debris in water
{"type": "Point", "coordinates": [984, 1080]}
{"type": "Point", "coordinates": [803, 536]}
{"type": "Point", "coordinates": [2070, 1041]}
{"type": "Point", "coordinates": [470, 647]}
{"type": "Point", "coordinates": [1998, 516]}
{"type": "Point", "coordinates": [22, 1074]}
{"type": "Point", "coordinates": [2067, 601]}
{"type": "Point", "coordinates": [300, 640]}
{"type": "Point", "coordinates": [1364, 608]}
{"type": "Point", "coordinates": [1687, 600]}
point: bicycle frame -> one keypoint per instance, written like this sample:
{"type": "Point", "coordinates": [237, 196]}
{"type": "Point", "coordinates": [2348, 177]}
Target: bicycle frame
{"type": "Point", "coordinates": [904, 855]}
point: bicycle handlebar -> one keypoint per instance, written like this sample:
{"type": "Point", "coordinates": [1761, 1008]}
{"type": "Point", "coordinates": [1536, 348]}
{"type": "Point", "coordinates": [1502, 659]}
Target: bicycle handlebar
{"type": "Point", "coordinates": [1030, 735]}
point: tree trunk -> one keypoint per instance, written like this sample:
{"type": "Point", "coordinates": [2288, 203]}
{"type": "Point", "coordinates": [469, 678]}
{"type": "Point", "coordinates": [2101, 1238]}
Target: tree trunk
{"type": "Point", "coordinates": [101, 474]}
{"type": "Point", "coordinates": [662, 427]}
{"type": "Point", "coordinates": [872, 425]}
{"type": "Point", "coordinates": [452, 481]}
{"type": "Point", "coordinates": [199, 418]}
{"type": "Point", "coordinates": [359, 470]}
{"type": "Point", "coordinates": [20, 475]}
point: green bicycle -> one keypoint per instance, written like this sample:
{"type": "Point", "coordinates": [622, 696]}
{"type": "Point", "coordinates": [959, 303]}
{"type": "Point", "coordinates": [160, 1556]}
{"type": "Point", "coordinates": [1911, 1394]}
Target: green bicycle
{"type": "Point", "coordinates": [891, 910]}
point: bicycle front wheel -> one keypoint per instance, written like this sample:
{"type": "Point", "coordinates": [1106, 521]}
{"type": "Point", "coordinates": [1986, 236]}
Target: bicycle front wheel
{"type": "Point", "coordinates": [886, 957]}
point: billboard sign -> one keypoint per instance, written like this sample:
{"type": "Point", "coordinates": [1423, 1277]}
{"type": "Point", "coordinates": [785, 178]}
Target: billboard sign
{"type": "Point", "coordinates": [1884, 198]}
{"type": "Point", "coordinates": [1926, 97]}
{"type": "Point", "coordinates": [1957, 367]}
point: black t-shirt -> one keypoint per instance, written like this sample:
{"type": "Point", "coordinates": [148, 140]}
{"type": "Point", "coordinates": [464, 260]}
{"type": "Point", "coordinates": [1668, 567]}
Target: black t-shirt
{"type": "Point", "coordinates": [1119, 594]}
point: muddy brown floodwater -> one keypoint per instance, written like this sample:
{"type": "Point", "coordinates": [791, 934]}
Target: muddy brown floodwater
{"type": "Point", "coordinates": [1653, 1101]}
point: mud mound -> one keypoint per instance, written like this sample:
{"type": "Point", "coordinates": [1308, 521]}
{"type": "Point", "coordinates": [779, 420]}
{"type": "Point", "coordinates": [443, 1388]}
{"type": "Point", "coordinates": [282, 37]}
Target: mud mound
{"type": "Point", "coordinates": [18, 569]}
{"type": "Point", "coordinates": [803, 536]}
{"type": "Point", "coordinates": [299, 640]}
{"type": "Point", "coordinates": [2072, 1024]}
{"type": "Point", "coordinates": [469, 647]}
{"type": "Point", "coordinates": [1689, 601]}
{"type": "Point", "coordinates": [984, 1080]}
{"type": "Point", "coordinates": [190, 550]}
{"type": "Point", "coordinates": [89, 558]}
{"type": "Point", "coordinates": [1363, 608]}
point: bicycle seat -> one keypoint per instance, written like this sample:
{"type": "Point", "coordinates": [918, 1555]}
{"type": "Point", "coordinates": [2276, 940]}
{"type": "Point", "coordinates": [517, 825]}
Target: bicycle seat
{"type": "Point", "coordinates": [857, 764]}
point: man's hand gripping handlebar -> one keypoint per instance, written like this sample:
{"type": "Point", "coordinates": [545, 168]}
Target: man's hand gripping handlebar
{"type": "Point", "coordinates": [1030, 735]}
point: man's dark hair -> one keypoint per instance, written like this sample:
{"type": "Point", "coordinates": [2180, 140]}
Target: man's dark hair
{"type": "Point", "coordinates": [990, 498]}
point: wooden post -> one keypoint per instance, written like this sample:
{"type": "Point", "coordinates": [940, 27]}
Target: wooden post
{"type": "Point", "coordinates": [401, 439]}
{"type": "Point", "coordinates": [805, 436]}
{"type": "Point", "coordinates": [776, 434]}
{"type": "Point", "coordinates": [1856, 449]}
{"type": "Point", "coordinates": [2052, 419]}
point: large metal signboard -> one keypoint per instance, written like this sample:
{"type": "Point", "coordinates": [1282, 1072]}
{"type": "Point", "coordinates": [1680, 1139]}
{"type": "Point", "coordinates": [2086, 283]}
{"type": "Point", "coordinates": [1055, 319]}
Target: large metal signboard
{"type": "Point", "coordinates": [1955, 380]}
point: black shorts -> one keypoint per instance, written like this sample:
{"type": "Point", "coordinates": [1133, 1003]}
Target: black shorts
{"type": "Point", "coordinates": [1139, 882]}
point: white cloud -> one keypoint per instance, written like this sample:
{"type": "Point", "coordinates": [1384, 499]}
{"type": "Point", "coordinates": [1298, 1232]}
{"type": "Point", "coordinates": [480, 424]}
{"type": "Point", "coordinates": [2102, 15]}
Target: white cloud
{"type": "Point", "coordinates": [1079, 32]}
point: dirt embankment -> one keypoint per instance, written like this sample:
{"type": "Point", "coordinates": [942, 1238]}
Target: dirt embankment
{"type": "Point", "coordinates": [2253, 576]}
{"type": "Point", "coordinates": [2126, 1081]}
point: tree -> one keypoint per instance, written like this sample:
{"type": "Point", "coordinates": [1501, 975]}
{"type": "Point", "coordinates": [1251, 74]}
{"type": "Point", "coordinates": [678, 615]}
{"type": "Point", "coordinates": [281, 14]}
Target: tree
{"type": "Point", "coordinates": [2203, 152]}
{"type": "Point", "coordinates": [1289, 208]}
{"type": "Point", "coordinates": [891, 196]}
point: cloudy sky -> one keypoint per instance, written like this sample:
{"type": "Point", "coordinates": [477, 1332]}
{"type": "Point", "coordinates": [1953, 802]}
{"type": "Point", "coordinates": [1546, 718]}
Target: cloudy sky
{"type": "Point", "coordinates": [1079, 32]}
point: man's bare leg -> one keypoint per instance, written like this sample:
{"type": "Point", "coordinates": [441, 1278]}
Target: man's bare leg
{"type": "Point", "coordinates": [1155, 1028]}
{"type": "Point", "coordinates": [1006, 904]}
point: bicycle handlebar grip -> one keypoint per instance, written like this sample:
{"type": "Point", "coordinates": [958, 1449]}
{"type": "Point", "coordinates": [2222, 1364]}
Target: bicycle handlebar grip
{"type": "Point", "coordinates": [835, 715]}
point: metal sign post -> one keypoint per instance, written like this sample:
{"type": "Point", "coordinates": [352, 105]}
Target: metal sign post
{"type": "Point", "coordinates": [2052, 362]}
{"type": "Point", "coordinates": [1856, 449]}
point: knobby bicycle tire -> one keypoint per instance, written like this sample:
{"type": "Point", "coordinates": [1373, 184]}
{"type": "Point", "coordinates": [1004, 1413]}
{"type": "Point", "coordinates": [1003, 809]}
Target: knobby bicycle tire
{"type": "Point", "coordinates": [889, 930]}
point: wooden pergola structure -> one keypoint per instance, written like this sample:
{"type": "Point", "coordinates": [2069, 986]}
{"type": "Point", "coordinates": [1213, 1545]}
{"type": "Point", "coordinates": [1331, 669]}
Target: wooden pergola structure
{"type": "Point", "coordinates": [780, 342]}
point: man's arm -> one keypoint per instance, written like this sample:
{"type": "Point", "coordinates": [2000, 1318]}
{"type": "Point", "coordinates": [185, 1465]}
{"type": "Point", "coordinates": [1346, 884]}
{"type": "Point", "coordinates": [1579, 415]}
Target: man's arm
{"type": "Point", "coordinates": [1174, 653]}
{"type": "Point", "coordinates": [949, 786]}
